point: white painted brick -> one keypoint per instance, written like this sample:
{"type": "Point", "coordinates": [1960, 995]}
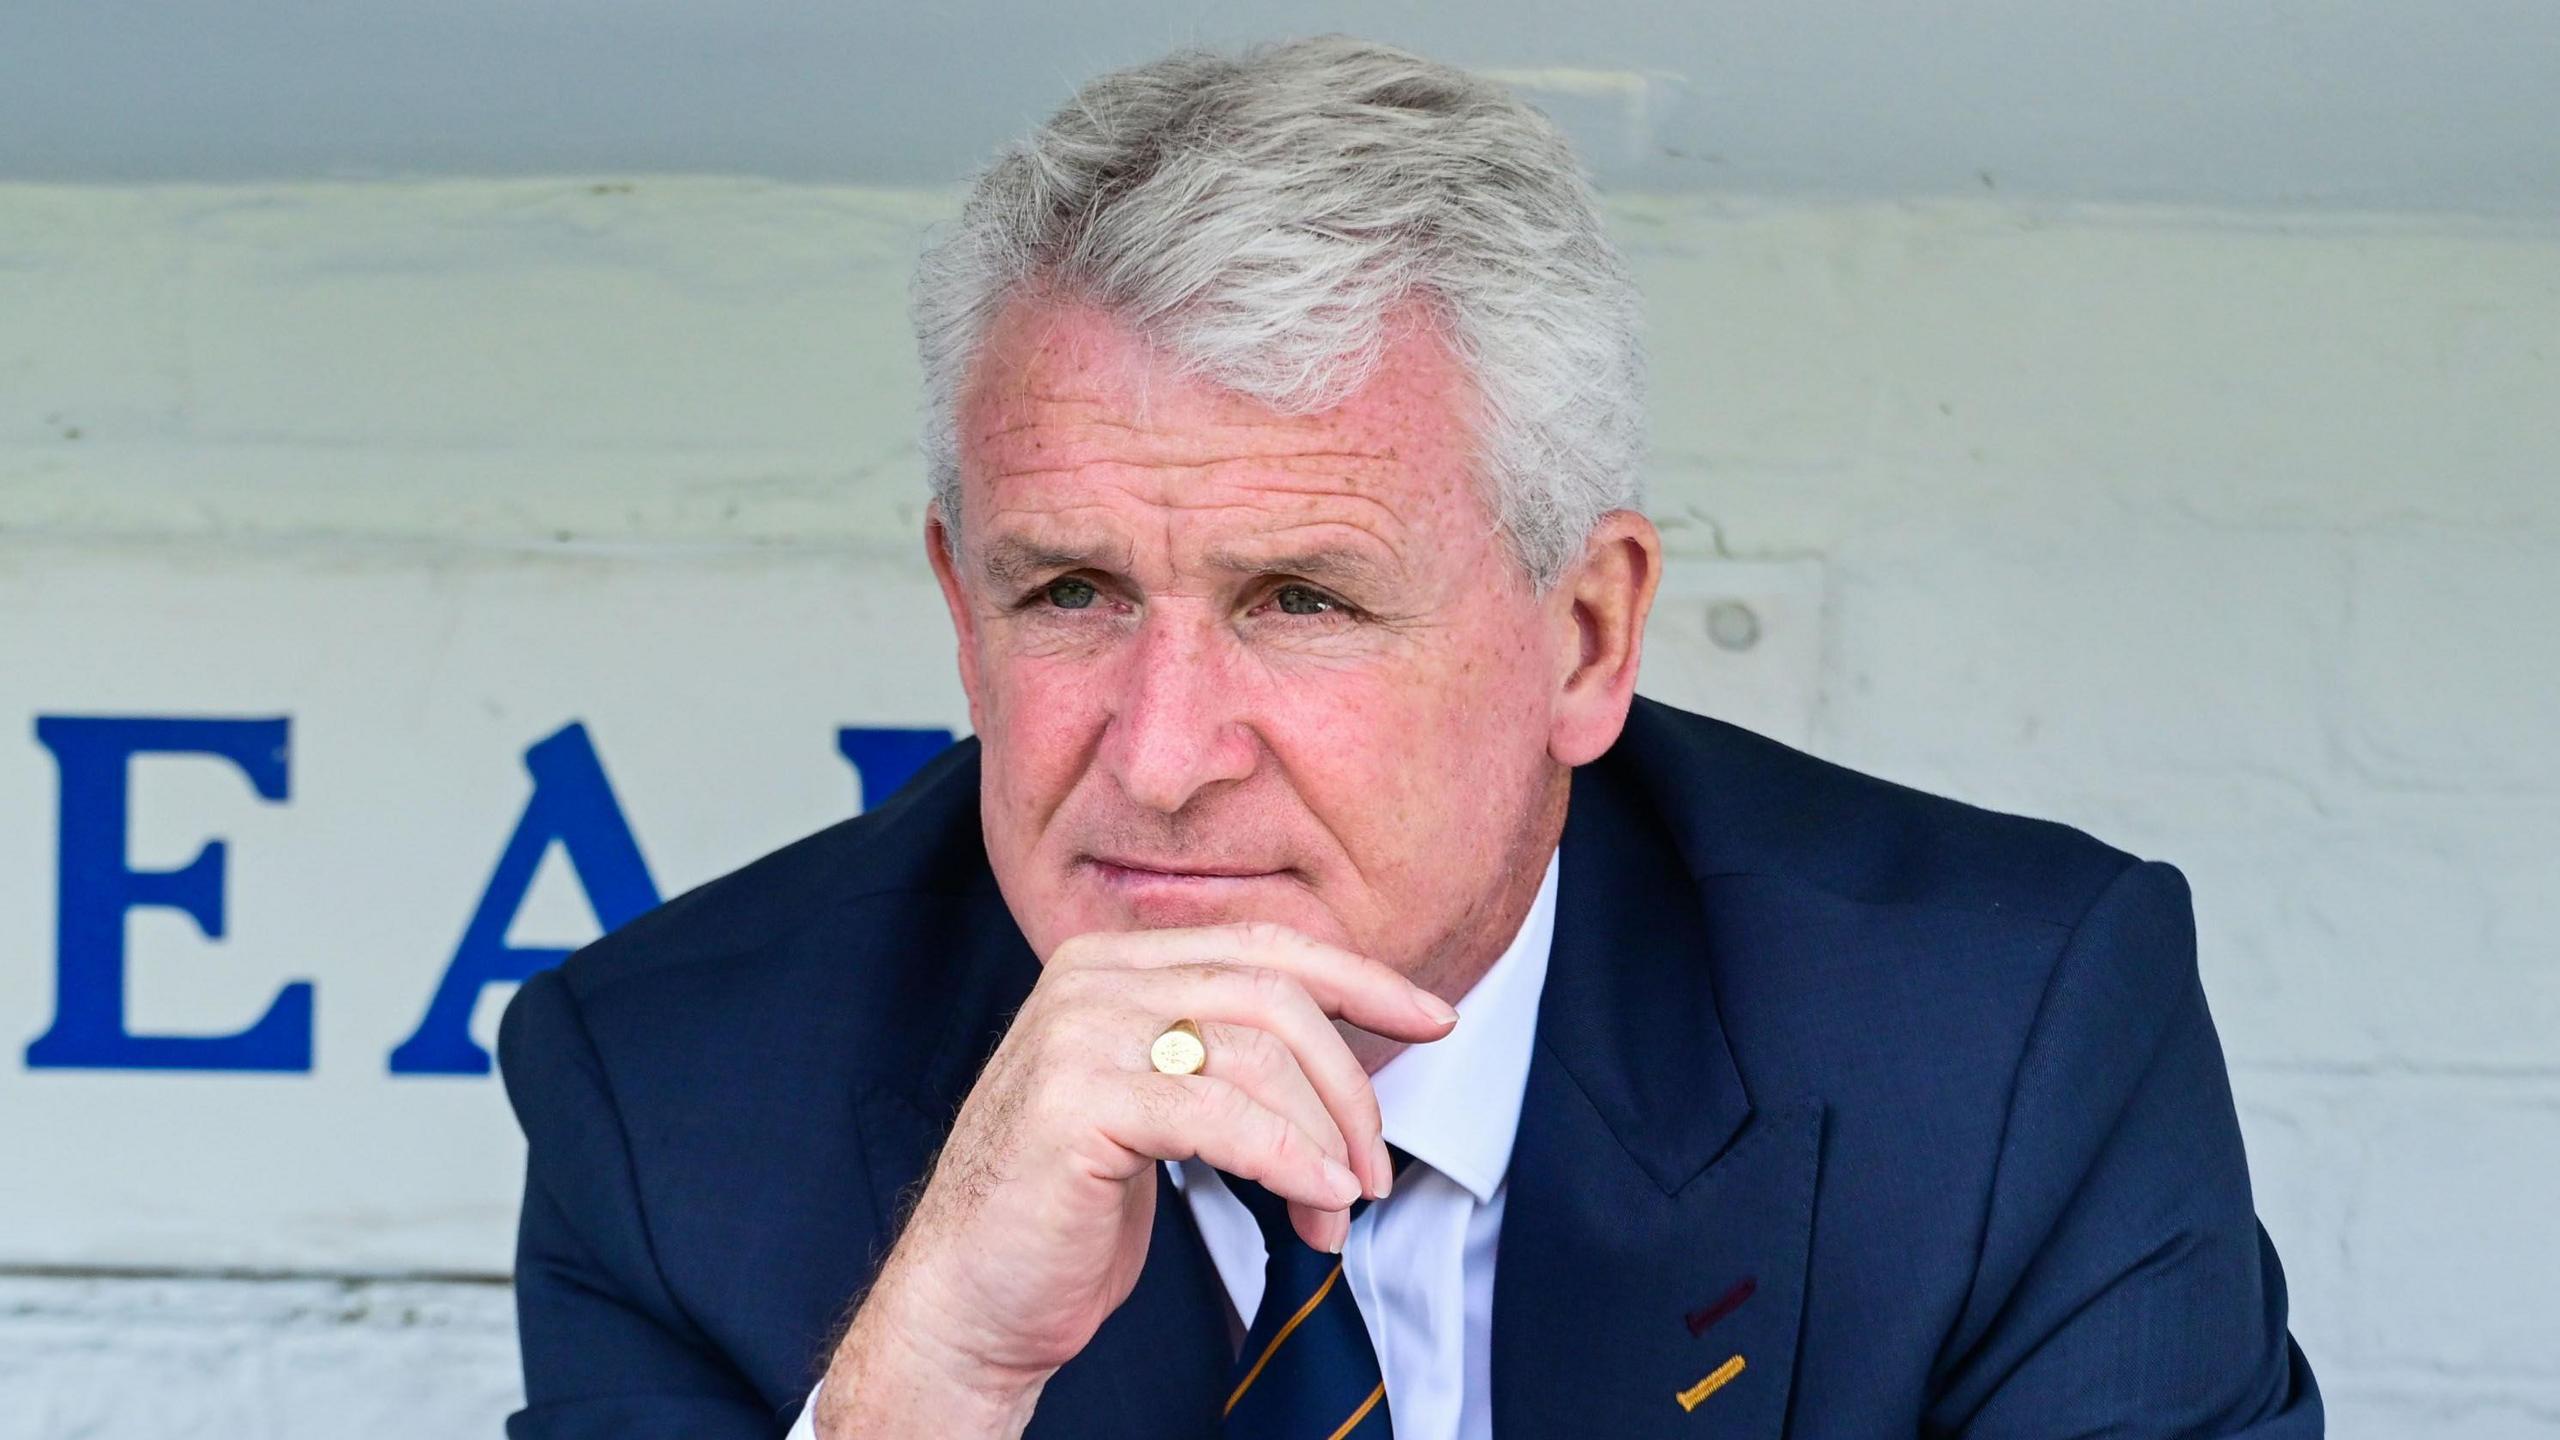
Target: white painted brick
{"type": "Point", "coordinates": [2414, 1213]}
{"type": "Point", "coordinates": [90, 338]}
{"type": "Point", "coordinates": [2452, 662]}
{"type": "Point", "coordinates": [2442, 1408]}
{"type": "Point", "coordinates": [538, 495]}
{"type": "Point", "coordinates": [2399, 935]}
{"type": "Point", "coordinates": [654, 312]}
{"type": "Point", "coordinates": [2021, 643]}
{"type": "Point", "coordinates": [93, 1358]}
{"type": "Point", "coordinates": [586, 325]}
{"type": "Point", "coordinates": [1827, 365]}
{"type": "Point", "coordinates": [1740, 640]}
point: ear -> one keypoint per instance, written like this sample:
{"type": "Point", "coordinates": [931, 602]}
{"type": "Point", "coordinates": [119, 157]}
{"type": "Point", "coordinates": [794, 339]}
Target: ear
{"type": "Point", "coordinates": [1598, 610]}
{"type": "Point", "coordinates": [939, 552]}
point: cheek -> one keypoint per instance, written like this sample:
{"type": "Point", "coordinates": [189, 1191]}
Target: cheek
{"type": "Point", "coordinates": [1411, 757]}
{"type": "Point", "coordinates": [1479, 687]}
{"type": "Point", "coordinates": [1343, 739]}
{"type": "Point", "coordinates": [1489, 741]}
{"type": "Point", "coordinates": [1040, 719]}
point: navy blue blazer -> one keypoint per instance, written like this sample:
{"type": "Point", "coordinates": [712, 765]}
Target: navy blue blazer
{"type": "Point", "coordinates": [1911, 1107]}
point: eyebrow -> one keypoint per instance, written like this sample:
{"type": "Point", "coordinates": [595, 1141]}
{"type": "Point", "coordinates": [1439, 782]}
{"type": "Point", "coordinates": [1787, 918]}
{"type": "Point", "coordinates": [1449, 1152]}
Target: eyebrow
{"type": "Point", "coordinates": [1013, 562]}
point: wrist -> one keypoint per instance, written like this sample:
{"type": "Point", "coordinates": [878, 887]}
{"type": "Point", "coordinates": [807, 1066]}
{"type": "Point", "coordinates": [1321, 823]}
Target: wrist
{"type": "Point", "coordinates": [899, 1372]}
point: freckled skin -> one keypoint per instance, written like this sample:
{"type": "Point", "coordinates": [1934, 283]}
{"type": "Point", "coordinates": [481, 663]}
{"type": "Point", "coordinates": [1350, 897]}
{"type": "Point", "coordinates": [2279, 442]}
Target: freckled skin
{"type": "Point", "coordinates": [1200, 635]}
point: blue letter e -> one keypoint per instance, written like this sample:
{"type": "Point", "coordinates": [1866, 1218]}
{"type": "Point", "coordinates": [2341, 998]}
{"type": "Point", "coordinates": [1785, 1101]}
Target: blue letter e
{"type": "Point", "coordinates": [96, 886]}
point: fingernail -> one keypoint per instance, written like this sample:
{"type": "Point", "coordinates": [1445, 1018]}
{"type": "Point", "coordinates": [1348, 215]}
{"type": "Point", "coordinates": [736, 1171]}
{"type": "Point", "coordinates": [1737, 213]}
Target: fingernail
{"type": "Point", "coordinates": [1433, 1006]}
{"type": "Point", "coordinates": [1386, 1169]}
{"type": "Point", "coordinates": [1345, 1184]}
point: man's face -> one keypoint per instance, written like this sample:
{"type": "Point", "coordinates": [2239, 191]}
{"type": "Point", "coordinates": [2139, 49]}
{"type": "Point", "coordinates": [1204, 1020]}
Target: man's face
{"type": "Point", "coordinates": [1230, 664]}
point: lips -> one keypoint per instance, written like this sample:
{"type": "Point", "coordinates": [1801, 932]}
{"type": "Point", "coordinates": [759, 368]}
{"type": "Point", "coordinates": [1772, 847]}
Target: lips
{"type": "Point", "coordinates": [1135, 870]}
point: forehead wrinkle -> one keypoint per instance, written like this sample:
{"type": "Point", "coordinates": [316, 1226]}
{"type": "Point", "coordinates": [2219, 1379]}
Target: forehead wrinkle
{"type": "Point", "coordinates": [1350, 466]}
{"type": "Point", "coordinates": [1313, 547]}
{"type": "Point", "coordinates": [1376, 529]}
{"type": "Point", "coordinates": [1096, 414]}
{"type": "Point", "coordinates": [1110, 422]}
{"type": "Point", "coordinates": [1309, 494]}
{"type": "Point", "coordinates": [1373, 521]}
{"type": "Point", "coordinates": [1268, 475]}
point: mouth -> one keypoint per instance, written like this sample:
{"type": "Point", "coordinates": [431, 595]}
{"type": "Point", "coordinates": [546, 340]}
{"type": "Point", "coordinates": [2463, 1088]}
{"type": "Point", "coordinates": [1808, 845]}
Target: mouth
{"type": "Point", "coordinates": [1133, 873]}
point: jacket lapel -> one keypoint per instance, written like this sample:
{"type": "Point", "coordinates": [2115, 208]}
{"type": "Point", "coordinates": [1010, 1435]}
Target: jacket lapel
{"type": "Point", "coordinates": [1657, 1224]}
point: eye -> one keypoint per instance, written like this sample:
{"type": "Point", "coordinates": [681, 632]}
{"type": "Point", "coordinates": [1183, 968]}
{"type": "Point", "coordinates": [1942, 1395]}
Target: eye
{"type": "Point", "coordinates": [1301, 600]}
{"type": "Point", "coordinates": [1069, 593]}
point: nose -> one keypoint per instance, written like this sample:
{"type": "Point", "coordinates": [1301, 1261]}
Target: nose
{"type": "Point", "coordinates": [1178, 727]}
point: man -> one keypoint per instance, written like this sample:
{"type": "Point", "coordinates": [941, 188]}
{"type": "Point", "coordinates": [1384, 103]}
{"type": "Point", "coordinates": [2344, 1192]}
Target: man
{"type": "Point", "coordinates": [1323, 1000]}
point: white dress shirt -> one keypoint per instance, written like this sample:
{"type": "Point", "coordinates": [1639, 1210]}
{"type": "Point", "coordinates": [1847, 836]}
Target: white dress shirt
{"type": "Point", "coordinates": [1420, 1262]}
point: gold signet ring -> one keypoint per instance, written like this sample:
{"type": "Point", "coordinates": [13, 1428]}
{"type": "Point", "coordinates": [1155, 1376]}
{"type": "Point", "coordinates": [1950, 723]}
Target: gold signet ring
{"type": "Point", "coordinates": [1178, 1050]}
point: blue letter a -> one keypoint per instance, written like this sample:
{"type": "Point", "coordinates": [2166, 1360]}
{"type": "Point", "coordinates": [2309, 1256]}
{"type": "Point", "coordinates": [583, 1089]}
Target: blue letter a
{"type": "Point", "coordinates": [573, 804]}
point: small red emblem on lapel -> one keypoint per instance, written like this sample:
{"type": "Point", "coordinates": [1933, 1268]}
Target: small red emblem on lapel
{"type": "Point", "coordinates": [1706, 1315]}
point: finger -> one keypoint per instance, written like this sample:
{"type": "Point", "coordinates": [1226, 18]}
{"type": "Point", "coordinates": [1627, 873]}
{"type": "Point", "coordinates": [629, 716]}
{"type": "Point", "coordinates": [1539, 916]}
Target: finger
{"type": "Point", "coordinates": [1276, 1003]}
{"type": "Point", "coordinates": [1368, 993]}
{"type": "Point", "coordinates": [1258, 1063]}
{"type": "Point", "coordinates": [1326, 1230]}
{"type": "Point", "coordinates": [1181, 1117]}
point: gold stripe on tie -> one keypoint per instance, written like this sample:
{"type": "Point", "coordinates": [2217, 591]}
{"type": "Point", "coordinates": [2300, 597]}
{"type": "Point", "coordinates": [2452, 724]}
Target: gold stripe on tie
{"type": "Point", "coordinates": [1690, 1398]}
{"type": "Point", "coordinates": [1362, 1413]}
{"type": "Point", "coordinates": [1269, 1350]}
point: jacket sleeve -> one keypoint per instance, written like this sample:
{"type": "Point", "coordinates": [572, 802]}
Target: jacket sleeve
{"type": "Point", "coordinates": [2125, 1287]}
{"type": "Point", "coordinates": [608, 1351]}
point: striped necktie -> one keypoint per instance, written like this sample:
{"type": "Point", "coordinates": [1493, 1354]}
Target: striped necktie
{"type": "Point", "coordinates": [1307, 1370]}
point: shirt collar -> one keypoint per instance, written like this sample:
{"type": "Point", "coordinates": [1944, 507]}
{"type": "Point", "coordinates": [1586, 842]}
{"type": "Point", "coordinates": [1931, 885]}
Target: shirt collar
{"type": "Point", "coordinates": [1454, 1104]}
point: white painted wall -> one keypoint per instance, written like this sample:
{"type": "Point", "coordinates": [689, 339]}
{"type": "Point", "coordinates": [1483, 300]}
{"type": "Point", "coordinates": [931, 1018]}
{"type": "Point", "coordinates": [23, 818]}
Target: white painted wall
{"type": "Point", "coordinates": [2233, 537]}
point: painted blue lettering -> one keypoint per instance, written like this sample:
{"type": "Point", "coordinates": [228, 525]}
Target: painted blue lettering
{"type": "Point", "coordinates": [97, 885]}
{"type": "Point", "coordinates": [573, 804]}
{"type": "Point", "coordinates": [884, 759]}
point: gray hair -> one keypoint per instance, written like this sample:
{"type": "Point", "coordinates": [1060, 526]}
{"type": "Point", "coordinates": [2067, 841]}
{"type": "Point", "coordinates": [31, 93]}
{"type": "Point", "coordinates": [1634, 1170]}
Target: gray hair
{"type": "Point", "coordinates": [1259, 215]}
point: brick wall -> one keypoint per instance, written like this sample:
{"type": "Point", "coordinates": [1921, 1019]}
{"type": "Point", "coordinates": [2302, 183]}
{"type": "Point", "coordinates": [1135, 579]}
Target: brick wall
{"type": "Point", "coordinates": [2234, 538]}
